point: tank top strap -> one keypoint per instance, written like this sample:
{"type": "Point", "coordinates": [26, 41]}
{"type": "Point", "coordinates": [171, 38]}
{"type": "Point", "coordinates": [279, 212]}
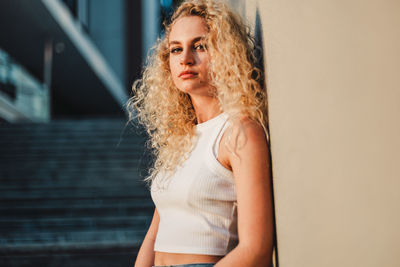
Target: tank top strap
{"type": "Point", "coordinates": [218, 135]}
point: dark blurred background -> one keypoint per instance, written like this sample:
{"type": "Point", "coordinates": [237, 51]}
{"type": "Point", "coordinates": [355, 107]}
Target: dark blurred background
{"type": "Point", "coordinates": [71, 168]}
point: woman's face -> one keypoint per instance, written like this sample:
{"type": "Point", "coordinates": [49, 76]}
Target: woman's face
{"type": "Point", "coordinates": [188, 57]}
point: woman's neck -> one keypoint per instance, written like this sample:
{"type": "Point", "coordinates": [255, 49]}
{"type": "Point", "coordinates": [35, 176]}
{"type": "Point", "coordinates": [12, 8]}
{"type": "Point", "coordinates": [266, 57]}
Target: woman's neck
{"type": "Point", "coordinates": [205, 107]}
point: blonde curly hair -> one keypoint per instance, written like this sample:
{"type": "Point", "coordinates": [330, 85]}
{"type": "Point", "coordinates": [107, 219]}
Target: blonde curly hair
{"type": "Point", "coordinates": [168, 114]}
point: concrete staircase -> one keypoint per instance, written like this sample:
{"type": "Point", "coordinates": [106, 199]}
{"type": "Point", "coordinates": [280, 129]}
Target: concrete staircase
{"type": "Point", "coordinates": [71, 193]}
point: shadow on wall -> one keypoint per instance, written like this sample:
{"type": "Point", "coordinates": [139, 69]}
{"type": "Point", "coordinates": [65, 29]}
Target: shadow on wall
{"type": "Point", "coordinates": [260, 64]}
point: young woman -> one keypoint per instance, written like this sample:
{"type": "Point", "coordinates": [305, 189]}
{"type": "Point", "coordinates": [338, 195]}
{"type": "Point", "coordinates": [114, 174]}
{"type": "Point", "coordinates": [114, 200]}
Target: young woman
{"type": "Point", "coordinates": [205, 112]}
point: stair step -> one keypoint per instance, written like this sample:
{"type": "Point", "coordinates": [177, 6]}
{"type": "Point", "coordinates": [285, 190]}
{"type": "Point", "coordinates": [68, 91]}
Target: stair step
{"type": "Point", "coordinates": [79, 164]}
{"type": "Point", "coordinates": [51, 211]}
{"type": "Point", "coordinates": [74, 237]}
{"type": "Point", "coordinates": [78, 224]}
{"type": "Point", "coordinates": [98, 174]}
{"type": "Point", "coordinates": [57, 193]}
{"type": "Point", "coordinates": [77, 202]}
{"type": "Point", "coordinates": [73, 184]}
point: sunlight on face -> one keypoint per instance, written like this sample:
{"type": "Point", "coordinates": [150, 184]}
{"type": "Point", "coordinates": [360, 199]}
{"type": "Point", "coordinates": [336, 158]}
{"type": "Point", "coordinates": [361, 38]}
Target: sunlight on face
{"type": "Point", "coordinates": [188, 56]}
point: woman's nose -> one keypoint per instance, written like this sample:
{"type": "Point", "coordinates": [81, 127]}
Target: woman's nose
{"type": "Point", "coordinates": [187, 58]}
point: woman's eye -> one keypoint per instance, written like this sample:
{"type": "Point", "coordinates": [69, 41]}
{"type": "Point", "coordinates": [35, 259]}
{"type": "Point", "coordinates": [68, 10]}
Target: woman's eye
{"type": "Point", "coordinates": [200, 47]}
{"type": "Point", "coordinates": [175, 50]}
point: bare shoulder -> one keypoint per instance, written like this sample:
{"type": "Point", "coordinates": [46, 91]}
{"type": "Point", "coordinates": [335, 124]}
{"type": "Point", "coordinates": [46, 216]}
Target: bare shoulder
{"type": "Point", "coordinates": [246, 132]}
{"type": "Point", "coordinates": [243, 140]}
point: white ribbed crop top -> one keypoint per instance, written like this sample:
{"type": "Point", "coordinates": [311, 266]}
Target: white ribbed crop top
{"type": "Point", "coordinates": [198, 208]}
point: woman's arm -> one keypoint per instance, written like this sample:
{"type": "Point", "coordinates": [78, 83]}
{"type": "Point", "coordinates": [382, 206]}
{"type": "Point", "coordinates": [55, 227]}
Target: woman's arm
{"type": "Point", "coordinates": [249, 160]}
{"type": "Point", "coordinates": [145, 257]}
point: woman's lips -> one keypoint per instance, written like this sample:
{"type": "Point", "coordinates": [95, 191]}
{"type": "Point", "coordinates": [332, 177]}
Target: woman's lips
{"type": "Point", "coordinates": [187, 74]}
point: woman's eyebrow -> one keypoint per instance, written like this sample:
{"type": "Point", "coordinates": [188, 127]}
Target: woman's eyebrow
{"type": "Point", "coordinates": [174, 42]}
{"type": "Point", "coordinates": [194, 40]}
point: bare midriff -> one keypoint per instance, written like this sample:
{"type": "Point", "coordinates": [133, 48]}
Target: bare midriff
{"type": "Point", "coordinates": [166, 258]}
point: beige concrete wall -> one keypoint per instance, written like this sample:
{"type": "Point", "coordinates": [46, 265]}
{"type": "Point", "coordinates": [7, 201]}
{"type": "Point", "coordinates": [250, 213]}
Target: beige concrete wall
{"type": "Point", "coordinates": [333, 82]}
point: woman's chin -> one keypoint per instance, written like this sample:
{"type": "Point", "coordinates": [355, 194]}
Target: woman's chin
{"type": "Point", "coordinates": [194, 89]}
